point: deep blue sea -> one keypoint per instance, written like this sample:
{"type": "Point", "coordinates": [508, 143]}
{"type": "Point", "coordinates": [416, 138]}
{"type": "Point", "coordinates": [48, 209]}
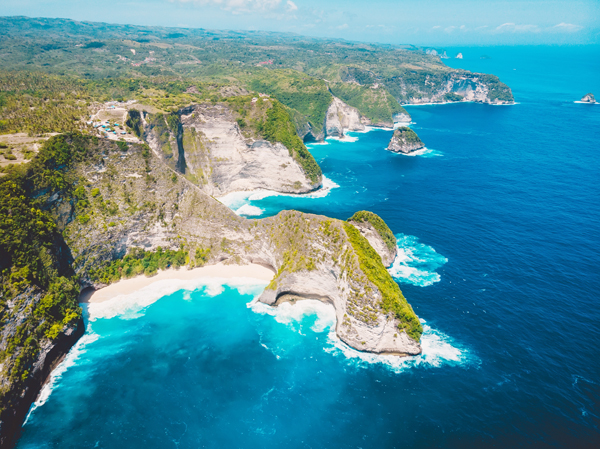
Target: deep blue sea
{"type": "Point", "coordinates": [499, 234]}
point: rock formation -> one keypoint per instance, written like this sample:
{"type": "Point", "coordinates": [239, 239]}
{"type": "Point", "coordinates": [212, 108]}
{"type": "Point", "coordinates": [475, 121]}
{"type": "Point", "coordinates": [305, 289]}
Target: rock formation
{"type": "Point", "coordinates": [402, 117]}
{"type": "Point", "coordinates": [212, 151]}
{"type": "Point", "coordinates": [588, 98]}
{"type": "Point", "coordinates": [405, 141]}
{"type": "Point", "coordinates": [341, 117]}
{"type": "Point", "coordinates": [459, 56]}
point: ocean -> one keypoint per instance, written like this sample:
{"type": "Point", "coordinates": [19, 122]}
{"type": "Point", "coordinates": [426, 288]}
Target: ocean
{"type": "Point", "coordinates": [498, 229]}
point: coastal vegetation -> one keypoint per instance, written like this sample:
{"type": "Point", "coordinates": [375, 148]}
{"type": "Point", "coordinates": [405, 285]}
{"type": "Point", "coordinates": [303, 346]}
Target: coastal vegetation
{"type": "Point", "coordinates": [393, 300]}
{"type": "Point", "coordinates": [33, 262]}
{"type": "Point", "coordinates": [139, 261]}
{"type": "Point", "coordinates": [377, 222]}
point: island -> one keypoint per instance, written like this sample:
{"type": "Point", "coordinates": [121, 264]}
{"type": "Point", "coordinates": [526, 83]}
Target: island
{"type": "Point", "coordinates": [129, 136]}
{"type": "Point", "coordinates": [405, 141]}
{"type": "Point", "coordinates": [588, 98]}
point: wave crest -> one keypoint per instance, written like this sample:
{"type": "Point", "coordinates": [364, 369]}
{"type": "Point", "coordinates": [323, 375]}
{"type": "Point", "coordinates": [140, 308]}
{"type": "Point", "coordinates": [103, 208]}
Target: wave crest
{"type": "Point", "coordinates": [416, 262]}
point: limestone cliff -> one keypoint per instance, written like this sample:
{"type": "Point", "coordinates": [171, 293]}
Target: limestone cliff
{"type": "Point", "coordinates": [341, 117]}
{"type": "Point", "coordinates": [457, 86]}
{"type": "Point", "coordinates": [405, 140]}
{"type": "Point", "coordinates": [207, 145]}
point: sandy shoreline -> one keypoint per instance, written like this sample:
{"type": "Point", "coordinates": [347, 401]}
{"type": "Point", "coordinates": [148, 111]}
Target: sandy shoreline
{"type": "Point", "coordinates": [128, 286]}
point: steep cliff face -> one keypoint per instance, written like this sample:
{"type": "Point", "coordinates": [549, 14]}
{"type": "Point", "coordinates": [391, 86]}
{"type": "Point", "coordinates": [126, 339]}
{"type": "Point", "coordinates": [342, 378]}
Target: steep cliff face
{"type": "Point", "coordinates": [341, 117]}
{"type": "Point", "coordinates": [208, 146]}
{"type": "Point", "coordinates": [405, 141]}
{"type": "Point", "coordinates": [453, 86]}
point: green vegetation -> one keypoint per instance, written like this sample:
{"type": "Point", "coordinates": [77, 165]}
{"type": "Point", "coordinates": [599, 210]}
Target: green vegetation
{"type": "Point", "coordinates": [301, 93]}
{"type": "Point", "coordinates": [380, 226]}
{"type": "Point", "coordinates": [453, 96]}
{"type": "Point", "coordinates": [497, 90]}
{"type": "Point", "coordinates": [393, 300]}
{"type": "Point", "coordinates": [378, 104]}
{"type": "Point", "coordinates": [279, 128]}
{"type": "Point", "coordinates": [134, 122]}
{"type": "Point", "coordinates": [407, 135]}
{"type": "Point", "coordinates": [137, 262]}
{"type": "Point", "coordinates": [32, 259]}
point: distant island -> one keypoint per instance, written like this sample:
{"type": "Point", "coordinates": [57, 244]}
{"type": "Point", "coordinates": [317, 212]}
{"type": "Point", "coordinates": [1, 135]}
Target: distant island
{"type": "Point", "coordinates": [115, 141]}
{"type": "Point", "coordinates": [588, 98]}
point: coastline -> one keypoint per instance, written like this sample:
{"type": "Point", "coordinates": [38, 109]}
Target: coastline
{"type": "Point", "coordinates": [132, 285]}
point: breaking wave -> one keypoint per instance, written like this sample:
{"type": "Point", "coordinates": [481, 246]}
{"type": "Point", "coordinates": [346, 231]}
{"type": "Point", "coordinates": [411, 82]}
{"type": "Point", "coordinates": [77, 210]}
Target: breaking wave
{"type": "Point", "coordinates": [438, 348]}
{"type": "Point", "coordinates": [241, 202]}
{"type": "Point", "coordinates": [416, 262]}
{"type": "Point", "coordinates": [56, 375]}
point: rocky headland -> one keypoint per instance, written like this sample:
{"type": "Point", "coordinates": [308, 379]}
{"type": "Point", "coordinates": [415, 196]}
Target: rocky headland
{"type": "Point", "coordinates": [117, 199]}
{"type": "Point", "coordinates": [405, 141]}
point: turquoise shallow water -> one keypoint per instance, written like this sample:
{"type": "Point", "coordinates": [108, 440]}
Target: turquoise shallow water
{"type": "Point", "coordinates": [498, 231]}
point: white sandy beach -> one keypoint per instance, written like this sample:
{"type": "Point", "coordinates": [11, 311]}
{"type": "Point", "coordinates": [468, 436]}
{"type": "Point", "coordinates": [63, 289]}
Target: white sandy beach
{"type": "Point", "coordinates": [128, 286]}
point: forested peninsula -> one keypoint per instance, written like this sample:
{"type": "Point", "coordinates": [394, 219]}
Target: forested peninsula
{"type": "Point", "coordinates": [115, 141]}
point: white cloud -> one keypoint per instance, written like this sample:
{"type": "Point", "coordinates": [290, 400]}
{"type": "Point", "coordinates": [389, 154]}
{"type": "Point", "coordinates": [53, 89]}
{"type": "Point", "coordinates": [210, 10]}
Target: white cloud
{"type": "Point", "coordinates": [449, 29]}
{"type": "Point", "coordinates": [437, 27]}
{"type": "Point", "coordinates": [568, 27]}
{"type": "Point", "coordinates": [342, 27]}
{"type": "Point", "coordinates": [516, 28]}
{"type": "Point", "coordinates": [238, 6]}
{"type": "Point", "coordinates": [291, 6]}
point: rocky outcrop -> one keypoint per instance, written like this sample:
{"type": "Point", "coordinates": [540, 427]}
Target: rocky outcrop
{"type": "Point", "coordinates": [588, 98]}
{"type": "Point", "coordinates": [340, 117]}
{"type": "Point", "coordinates": [405, 141]}
{"type": "Point", "coordinates": [210, 149]}
{"type": "Point", "coordinates": [434, 88]}
{"type": "Point", "coordinates": [459, 56]}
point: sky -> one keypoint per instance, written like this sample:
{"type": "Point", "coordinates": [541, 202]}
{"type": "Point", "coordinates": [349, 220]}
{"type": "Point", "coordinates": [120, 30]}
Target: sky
{"type": "Point", "coordinates": [418, 22]}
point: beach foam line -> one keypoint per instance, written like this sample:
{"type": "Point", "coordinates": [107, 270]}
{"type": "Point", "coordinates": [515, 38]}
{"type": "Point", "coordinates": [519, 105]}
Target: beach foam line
{"type": "Point", "coordinates": [416, 262]}
{"type": "Point", "coordinates": [133, 305]}
{"type": "Point", "coordinates": [438, 348]}
{"type": "Point", "coordinates": [237, 200]}
{"type": "Point", "coordinates": [181, 276]}
{"type": "Point", "coordinates": [346, 138]}
{"type": "Point", "coordinates": [56, 375]}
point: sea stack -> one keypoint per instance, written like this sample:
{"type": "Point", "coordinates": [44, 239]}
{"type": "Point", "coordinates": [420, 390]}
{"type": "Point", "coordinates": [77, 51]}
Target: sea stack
{"type": "Point", "coordinates": [405, 141]}
{"type": "Point", "coordinates": [588, 98]}
{"type": "Point", "coordinates": [459, 56]}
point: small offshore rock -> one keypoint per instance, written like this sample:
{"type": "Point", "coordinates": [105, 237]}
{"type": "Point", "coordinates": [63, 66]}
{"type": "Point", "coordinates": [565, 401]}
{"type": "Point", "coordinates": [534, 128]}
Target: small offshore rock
{"type": "Point", "coordinates": [588, 98]}
{"type": "Point", "coordinates": [405, 141]}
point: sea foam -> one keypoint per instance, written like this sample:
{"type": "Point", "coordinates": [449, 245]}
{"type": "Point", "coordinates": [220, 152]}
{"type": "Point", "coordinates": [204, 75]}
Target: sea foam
{"type": "Point", "coordinates": [133, 305]}
{"type": "Point", "coordinates": [416, 262]}
{"type": "Point", "coordinates": [241, 202]}
{"type": "Point", "coordinates": [56, 375]}
{"type": "Point", "coordinates": [438, 348]}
